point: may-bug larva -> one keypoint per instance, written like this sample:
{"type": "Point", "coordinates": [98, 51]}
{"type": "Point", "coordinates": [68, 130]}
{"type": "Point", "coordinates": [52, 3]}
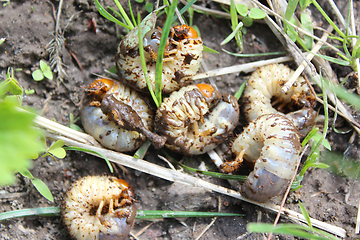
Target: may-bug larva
{"type": "Point", "coordinates": [96, 207]}
{"type": "Point", "coordinates": [272, 142]}
{"type": "Point", "coordinates": [196, 119]}
{"type": "Point", "coordinates": [182, 57]}
{"type": "Point", "coordinates": [118, 117]}
{"type": "Point", "coordinates": [263, 95]}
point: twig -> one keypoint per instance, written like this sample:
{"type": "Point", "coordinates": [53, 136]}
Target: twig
{"type": "Point", "coordinates": [247, 67]}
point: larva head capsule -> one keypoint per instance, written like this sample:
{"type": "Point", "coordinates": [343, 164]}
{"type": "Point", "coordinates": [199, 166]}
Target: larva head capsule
{"type": "Point", "coordinates": [184, 32]}
{"type": "Point", "coordinates": [99, 207]}
{"type": "Point", "coordinates": [99, 88]}
{"type": "Point", "coordinates": [205, 89]}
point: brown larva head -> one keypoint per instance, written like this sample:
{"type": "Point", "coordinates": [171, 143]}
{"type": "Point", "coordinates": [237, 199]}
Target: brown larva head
{"type": "Point", "coordinates": [99, 88]}
{"type": "Point", "coordinates": [184, 32]}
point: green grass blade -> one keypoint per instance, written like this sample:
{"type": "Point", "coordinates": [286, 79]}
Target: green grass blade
{"type": "Point", "coordinates": [91, 151]}
{"type": "Point", "coordinates": [209, 50]}
{"type": "Point", "coordinates": [132, 14]}
{"type": "Point", "coordinates": [160, 57]}
{"type": "Point", "coordinates": [124, 15]}
{"type": "Point", "coordinates": [143, 63]}
{"type": "Point", "coordinates": [317, 5]}
{"type": "Point", "coordinates": [140, 153]}
{"type": "Point", "coordinates": [108, 16]}
{"type": "Point", "coordinates": [289, 229]}
{"type": "Point", "coordinates": [232, 35]}
{"type": "Point", "coordinates": [186, 7]}
{"type": "Point", "coordinates": [240, 91]}
{"type": "Point", "coordinates": [146, 214]}
{"type": "Point", "coordinates": [306, 216]}
{"type": "Point", "coordinates": [42, 211]}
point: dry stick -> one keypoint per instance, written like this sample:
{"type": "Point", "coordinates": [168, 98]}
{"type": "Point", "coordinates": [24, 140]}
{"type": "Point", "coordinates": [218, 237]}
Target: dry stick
{"type": "Point", "coordinates": [303, 65]}
{"type": "Point", "coordinates": [247, 67]}
{"type": "Point", "coordinates": [176, 176]}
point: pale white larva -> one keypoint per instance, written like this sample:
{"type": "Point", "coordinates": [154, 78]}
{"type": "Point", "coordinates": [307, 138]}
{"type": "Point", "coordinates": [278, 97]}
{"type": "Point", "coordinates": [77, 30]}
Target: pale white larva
{"type": "Point", "coordinates": [99, 208]}
{"type": "Point", "coordinates": [182, 57]}
{"type": "Point", "coordinates": [272, 142]}
{"type": "Point", "coordinates": [196, 119]}
{"type": "Point", "coordinates": [263, 95]}
{"type": "Point", "coordinates": [117, 116]}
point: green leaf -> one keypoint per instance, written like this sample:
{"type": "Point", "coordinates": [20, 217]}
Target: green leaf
{"type": "Point", "coordinates": [38, 75]}
{"type": "Point", "coordinates": [2, 40]}
{"type": "Point", "coordinates": [19, 140]}
{"type": "Point", "coordinates": [247, 21]}
{"type": "Point", "coordinates": [139, 1]}
{"type": "Point", "coordinates": [30, 91]}
{"type": "Point", "coordinates": [149, 7]}
{"type": "Point", "coordinates": [108, 16]}
{"type": "Point", "coordinates": [241, 9]}
{"type": "Point", "coordinates": [257, 13]}
{"type": "Point", "coordinates": [317, 137]}
{"type": "Point", "coordinates": [14, 88]}
{"type": "Point", "coordinates": [48, 74]}
{"type": "Point", "coordinates": [43, 189]}
{"type": "Point", "coordinates": [43, 65]}
{"type": "Point", "coordinates": [304, 4]}
{"type": "Point", "coordinates": [26, 173]}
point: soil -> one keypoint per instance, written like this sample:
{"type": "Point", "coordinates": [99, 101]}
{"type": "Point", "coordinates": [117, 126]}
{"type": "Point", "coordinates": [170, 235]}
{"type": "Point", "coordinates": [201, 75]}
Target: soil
{"type": "Point", "coordinates": [28, 26]}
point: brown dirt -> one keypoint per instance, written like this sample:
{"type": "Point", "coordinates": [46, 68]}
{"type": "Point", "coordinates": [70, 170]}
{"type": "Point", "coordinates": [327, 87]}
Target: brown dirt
{"type": "Point", "coordinates": [27, 27]}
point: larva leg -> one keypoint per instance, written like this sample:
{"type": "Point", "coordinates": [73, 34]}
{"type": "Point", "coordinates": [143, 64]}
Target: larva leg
{"type": "Point", "coordinates": [232, 166]}
{"type": "Point", "coordinates": [99, 210]}
{"type": "Point", "coordinates": [111, 206]}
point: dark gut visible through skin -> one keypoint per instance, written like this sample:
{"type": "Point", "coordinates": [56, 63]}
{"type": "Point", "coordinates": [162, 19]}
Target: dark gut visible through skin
{"type": "Point", "coordinates": [125, 116]}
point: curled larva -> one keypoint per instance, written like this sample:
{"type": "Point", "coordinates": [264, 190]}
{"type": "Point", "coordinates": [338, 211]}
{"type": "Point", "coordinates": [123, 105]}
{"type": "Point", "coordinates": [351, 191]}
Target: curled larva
{"type": "Point", "coordinates": [272, 142]}
{"type": "Point", "coordinates": [263, 95]}
{"type": "Point", "coordinates": [182, 57]}
{"type": "Point", "coordinates": [96, 207]}
{"type": "Point", "coordinates": [196, 119]}
{"type": "Point", "coordinates": [118, 117]}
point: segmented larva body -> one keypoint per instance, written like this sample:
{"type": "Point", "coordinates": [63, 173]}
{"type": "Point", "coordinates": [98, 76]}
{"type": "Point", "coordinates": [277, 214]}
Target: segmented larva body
{"type": "Point", "coordinates": [196, 119]}
{"type": "Point", "coordinates": [279, 143]}
{"type": "Point", "coordinates": [263, 95]}
{"type": "Point", "coordinates": [98, 207]}
{"type": "Point", "coordinates": [103, 128]}
{"type": "Point", "coordinates": [182, 57]}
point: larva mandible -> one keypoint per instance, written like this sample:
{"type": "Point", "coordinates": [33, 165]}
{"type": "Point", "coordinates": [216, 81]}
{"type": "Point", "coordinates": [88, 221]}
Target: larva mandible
{"type": "Point", "coordinates": [182, 57]}
{"type": "Point", "coordinates": [99, 208]}
{"type": "Point", "coordinates": [118, 117]}
{"type": "Point", "coordinates": [196, 119]}
{"type": "Point", "coordinates": [263, 95]}
{"type": "Point", "coordinates": [279, 143]}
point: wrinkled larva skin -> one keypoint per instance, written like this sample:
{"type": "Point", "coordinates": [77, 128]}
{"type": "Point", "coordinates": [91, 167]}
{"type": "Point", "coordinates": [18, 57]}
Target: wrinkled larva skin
{"type": "Point", "coordinates": [182, 57]}
{"type": "Point", "coordinates": [196, 119]}
{"type": "Point", "coordinates": [272, 142]}
{"type": "Point", "coordinates": [103, 128]}
{"type": "Point", "coordinates": [96, 207]}
{"type": "Point", "coordinates": [264, 87]}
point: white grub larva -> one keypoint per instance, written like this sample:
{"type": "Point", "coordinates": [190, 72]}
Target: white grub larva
{"type": "Point", "coordinates": [263, 95]}
{"type": "Point", "coordinates": [272, 142]}
{"type": "Point", "coordinates": [196, 119]}
{"type": "Point", "coordinates": [182, 57]}
{"type": "Point", "coordinates": [99, 207]}
{"type": "Point", "coordinates": [117, 116]}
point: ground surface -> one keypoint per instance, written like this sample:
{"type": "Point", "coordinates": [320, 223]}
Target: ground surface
{"type": "Point", "coordinates": [28, 27]}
